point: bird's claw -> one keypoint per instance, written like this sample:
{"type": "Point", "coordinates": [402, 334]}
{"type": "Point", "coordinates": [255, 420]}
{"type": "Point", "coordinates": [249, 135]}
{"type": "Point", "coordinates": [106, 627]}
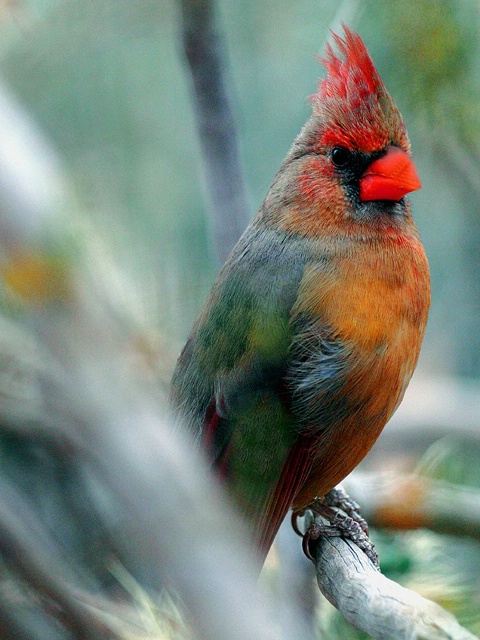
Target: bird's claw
{"type": "Point", "coordinates": [313, 533]}
{"type": "Point", "coordinates": [339, 499]}
{"type": "Point", "coordinates": [295, 516]}
{"type": "Point", "coordinates": [340, 524]}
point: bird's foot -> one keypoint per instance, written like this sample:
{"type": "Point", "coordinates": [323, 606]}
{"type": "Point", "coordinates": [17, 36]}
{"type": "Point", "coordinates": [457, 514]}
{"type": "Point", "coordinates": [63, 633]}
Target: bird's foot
{"type": "Point", "coordinates": [339, 499]}
{"type": "Point", "coordinates": [340, 524]}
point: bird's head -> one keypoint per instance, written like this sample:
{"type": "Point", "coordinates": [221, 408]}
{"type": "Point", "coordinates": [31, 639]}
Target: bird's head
{"type": "Point", "coordinates": [354, 152]}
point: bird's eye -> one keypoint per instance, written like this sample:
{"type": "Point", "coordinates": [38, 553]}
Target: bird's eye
{"type": "Point", "coordinates": [340, 156]}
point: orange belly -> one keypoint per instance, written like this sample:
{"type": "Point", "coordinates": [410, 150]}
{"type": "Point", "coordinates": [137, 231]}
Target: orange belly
{"type": "Point", "coordinates": [380, 311]}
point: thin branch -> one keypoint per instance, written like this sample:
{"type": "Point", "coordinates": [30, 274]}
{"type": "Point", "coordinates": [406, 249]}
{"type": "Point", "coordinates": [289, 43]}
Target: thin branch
{"type": "Point", "coordinates": [373, 603]}
{"type": "Point", "coordinates": [204, 50]}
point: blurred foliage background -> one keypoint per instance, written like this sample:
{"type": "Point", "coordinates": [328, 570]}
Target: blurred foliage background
{"type": "Point", "coordinates": [107, 82]}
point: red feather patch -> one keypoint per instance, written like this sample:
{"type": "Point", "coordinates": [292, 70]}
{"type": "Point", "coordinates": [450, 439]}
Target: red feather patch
{"type": "Point", "coordinates": [355, 107]}
{"type": "Point", "coordinates": [353, 78]}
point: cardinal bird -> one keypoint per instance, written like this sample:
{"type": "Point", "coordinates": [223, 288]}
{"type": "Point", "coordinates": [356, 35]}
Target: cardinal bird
{"type": "Point", "coordinates": [313, 328]}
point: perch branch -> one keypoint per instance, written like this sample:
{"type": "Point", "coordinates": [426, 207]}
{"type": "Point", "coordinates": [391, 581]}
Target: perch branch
{"type": "Point", "coordinates": [373, 603]}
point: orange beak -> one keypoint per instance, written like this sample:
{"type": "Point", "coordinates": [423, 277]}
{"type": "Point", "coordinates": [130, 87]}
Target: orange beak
{"type": "Point", "coordinates": [390, 177]}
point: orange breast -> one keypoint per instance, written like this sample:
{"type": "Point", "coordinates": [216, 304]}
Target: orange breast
{"type": "Point", "coordinates": [376, 301]}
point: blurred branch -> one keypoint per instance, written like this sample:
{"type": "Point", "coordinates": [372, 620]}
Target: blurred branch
{"type": "Point", "coordinates": [431, 410]}
{"type": "Point", "coordinates": [204, 50]}
{"type": "Point", "coordinates": [373, 603]}
{"type": "Point", "coordinates": [410, 501]}
{"type": "Point", "coordinates": [27, 552]}
{"type": "Point", "coordinates": [146, 485]}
